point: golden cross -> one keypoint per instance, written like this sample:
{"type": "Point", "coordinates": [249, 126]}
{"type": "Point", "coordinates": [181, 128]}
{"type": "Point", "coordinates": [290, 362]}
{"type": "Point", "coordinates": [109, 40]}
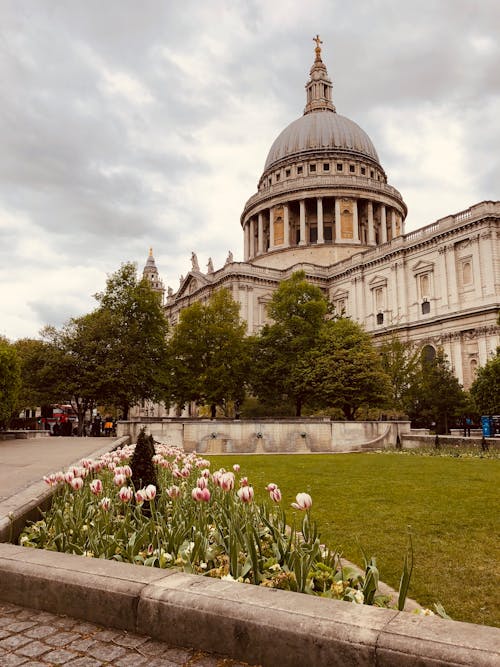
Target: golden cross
{"type": "Point", "coordinates": [318, 41]}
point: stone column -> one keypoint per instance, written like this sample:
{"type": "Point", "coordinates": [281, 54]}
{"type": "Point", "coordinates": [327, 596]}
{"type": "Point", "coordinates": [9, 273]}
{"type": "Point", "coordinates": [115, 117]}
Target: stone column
{"type": "Point", "coordinates": [355, 224]}
{"type": "Point", "coordinates": [393, 223]}
{"type": "Point", "coordinates": [452, 276]}
{"type": "Point", "coordinates": [371, 226]}
{"type": "Point", "coordinates": [338, 232]}
{"type": "Point", "coordinates": [251, 247]}
{"type": "Point", "coordinates": [271, 228]}
{"type": "Point", "coordinates": [286, 230]}
{"type": "Point", "coordinates": [246, 240]}
{"type": "Point", "coordinates": [319, 210]}
{"type": "Point", "coordinates": [260, 242]}
{"type": "Point", "coordinates": [476, 267]}
{"type": "Point", "coordinates": [302, 240]}
{"type": "Point", "coordinates": [383, 223]}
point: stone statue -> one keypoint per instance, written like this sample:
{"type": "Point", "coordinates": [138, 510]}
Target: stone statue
{"type": "Point", "coordinates": [194, 262]}
{"type": "Point", "coordinates": [229, 259]}
{"type": "Point", "coordinates": [170, 292]}
{"type": "Point", "coordinates": [210, 265]}
{"type": "Point", "coordinates": [181, 279]}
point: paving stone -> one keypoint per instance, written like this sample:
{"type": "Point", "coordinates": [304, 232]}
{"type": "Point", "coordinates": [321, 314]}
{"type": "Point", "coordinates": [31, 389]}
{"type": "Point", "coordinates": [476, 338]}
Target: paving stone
{"type": "Point", "coordinates": [24, 614]}
{"type": "Point", "coordinates": [59, 657]}
{"type": "Point", "coordinates": [153, 648]}
{"type": "Point", "coordinates": [177, 655]}
{"type": "Point", "coordinates": [12, 660]}
{"type": "Point", "coordinates": [40, 631]}
{"type": "Point", "coordinates": [129, 640]}
{"type": "Point", "coordinates": [132, 660]}
{"type": "Point", "coordinates": [106, 635]}
{"type": "Point", "coordinates": [81, 644]}
{"type": "Point", "coordinates": [85, 628]}
{"type": "Point", "coordinates": [65, 623]}
{"type": "Point", "coordinates": [33, 649]}
{"type": "Point", "coordinates": [19, 626]}
{"type": "Point", "coordinates": [62, 638]}
{"type": "Point", "coordinates": [204, 660]}
{"type": "Point", "coordinates": [162, 662]}
{"type": "Point", "coordinates": [14, 642]}
{"type": "Point", "coordinates": [46, 617]}
{"type": "Point", "coordinates": [86, 662]}
{"type": "Point", "coordinates": [4, 633]}
{"type": "Point", "coordinates": [106, 652]}
{"type": "Point", "coordinates": [7, 608]}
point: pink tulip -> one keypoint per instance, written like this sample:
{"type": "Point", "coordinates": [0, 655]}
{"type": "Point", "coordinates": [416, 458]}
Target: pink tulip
{"type": "Point", "coordinates": [304, 502]}
{"type": "Point", "coordinates": [271, 487]}
{"type": "Point", "coordinates": [77, 483]}
{"type": "Point", "coordinates": [244, 481]}
{"type": "Point", "coordinates": [174, 491]}
{"type": "Point", "coordinates": [51, 480]}
{"type": "Point", "coordinates": [200, 495]}
{"type": "Point", "coordinates": [139, 496]}
{"type": "Point", "coordinates": [202, 483]}
{"type": "Point", "coordinates": [275, 495]}
{"type": "Point", "coordinates": [150, 492]}
{"type": "Point", "coordinates": [236, 467]}
{"type": "Point", "coordinates": [68, 476]}
{"type": "Point", "coordinates": [245, 494]}
{"type": "Point", "coordinates": [106, 504]}
{"type": "Point", "coordinates": [205, 473]}
{"type": "Point", "coordinates": [227, 481]}
{"type": "Point", "coordinates": [119, 480]}
{"type": "Point", "coordinates": [96, 487]}
{"type": "Point", "coordinates": [125, 494]}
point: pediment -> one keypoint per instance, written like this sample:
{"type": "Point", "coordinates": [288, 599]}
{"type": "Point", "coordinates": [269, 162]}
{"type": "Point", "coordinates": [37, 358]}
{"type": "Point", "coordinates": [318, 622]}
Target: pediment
{"type": "Point", "coordinates": [378, 281]}
{"type": "Point", "coordinates": [191, 284]}
{"type": "Point", "coordinates": [339, 294]}
{"type": "Point", "coordinates": [423, 267]}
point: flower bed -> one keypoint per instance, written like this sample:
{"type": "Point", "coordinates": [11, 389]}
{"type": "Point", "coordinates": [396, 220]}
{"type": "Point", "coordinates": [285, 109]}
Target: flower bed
{"type": "Point", "coordinates": [202, 522]}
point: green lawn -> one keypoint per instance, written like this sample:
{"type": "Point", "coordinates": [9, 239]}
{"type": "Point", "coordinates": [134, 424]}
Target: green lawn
{"type": "Point", "coordinates": [368, 500]}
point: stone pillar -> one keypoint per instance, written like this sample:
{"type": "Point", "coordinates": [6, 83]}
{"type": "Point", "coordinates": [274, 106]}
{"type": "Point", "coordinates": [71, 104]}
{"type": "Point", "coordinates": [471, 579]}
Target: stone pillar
{"type": "Point", "coordinates": [260, 241]}
{"type": "Point", "coordinates": [393, 223]}
{"type": "Point", "coordinates": [383, 224]}
{"type": "Point", "coordinates": [355, 224]}
{"type": "Point", "coordinates": [271, 228]}
{"type": "Point", "coordinates": [302, 240]}
{"type": "Point", "coordinates": [371, 226]}
{"type": "Point", "coordinates": [338, 234]}
{"type": "Point", "coordinates": [286, 230]}
{"type": "Point", "coordinates": [251, 247]}
{"type": "Point", "coordinates": [452, 276]}
{"type": "Point", "coordinates": [319, 210]}
{"type": "Point", "coordinates": [246, 240]}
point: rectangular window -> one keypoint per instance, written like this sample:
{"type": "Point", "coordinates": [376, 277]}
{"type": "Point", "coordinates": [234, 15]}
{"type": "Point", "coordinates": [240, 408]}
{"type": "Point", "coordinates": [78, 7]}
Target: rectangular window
{"type": "Point", "coordinates": [328, 233]}
{"type": "Point", "coordinates": [299, 170]}
{"type": "Point", "coordinates": [287, 173]}
{"type": "Point", "coordinates": [312, 167]}
{"type": "Point", "coordinates": [313, 235]}
{"type": "Point", "coordinates": [326, 166]}
{"type": "Point", "coordinates": [372, 173]}
{"type": "Point", "coordinates": [278, 176]}
{"type": "Point", "coordinates": [363, 170]}
{"type": "Point", "coordinates": [351, 168]}
{"type": "Point", "coordinates": [339, 166]}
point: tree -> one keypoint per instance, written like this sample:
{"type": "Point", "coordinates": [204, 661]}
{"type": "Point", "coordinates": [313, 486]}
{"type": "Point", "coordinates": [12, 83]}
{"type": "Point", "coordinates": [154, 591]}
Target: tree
{"type": "Point", "coordinates": [298, 310]}
{"type": "Point", "coordinates": [10, 380]}
{"type": "Point", "coordinates": [135, 330]}
{"type": "Point", "coordinates": [208, 354]}
{"type": "Point", "coordinates": [437, 395]}
{"type": "Point", "coordinates": [39, 371]}
{"type": "Point", "coordinates": [344, 369]}
{"type": "Point", "coordinates": [485, 390]}
{"type": "Point", "coordinates": [401, 363]}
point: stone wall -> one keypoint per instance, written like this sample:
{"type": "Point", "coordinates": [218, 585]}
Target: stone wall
{"type": "Point", "coordinates": [269, 437]}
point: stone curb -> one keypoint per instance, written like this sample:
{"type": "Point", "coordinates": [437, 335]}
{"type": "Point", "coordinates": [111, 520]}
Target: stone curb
{"type": "Point", "coordinates": [24, 505]}
{"type": "Point", "coordinates": [250, 623]}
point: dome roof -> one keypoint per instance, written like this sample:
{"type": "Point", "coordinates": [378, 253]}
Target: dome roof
{"type": "Point", "coordinates": [323, 131]}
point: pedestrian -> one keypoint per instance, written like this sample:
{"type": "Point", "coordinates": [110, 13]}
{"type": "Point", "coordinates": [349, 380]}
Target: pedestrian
{"type": "Point", "coordinates": [467, 425]}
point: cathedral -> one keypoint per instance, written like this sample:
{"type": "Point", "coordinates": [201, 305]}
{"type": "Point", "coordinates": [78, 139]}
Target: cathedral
{"type": "Point", "coordinates": [324, 205]}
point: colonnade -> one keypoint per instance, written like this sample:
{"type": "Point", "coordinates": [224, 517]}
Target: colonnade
{"type": "Point", "coordinates": [348, 220]}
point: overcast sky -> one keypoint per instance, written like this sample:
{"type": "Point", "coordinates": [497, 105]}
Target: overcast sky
{"type": "Point", "coordinates": [126, 124]}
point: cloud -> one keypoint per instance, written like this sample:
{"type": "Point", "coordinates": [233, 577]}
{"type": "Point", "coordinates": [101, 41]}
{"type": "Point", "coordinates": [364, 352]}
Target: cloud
{"type": "Point", "coordinates": [130, 125]}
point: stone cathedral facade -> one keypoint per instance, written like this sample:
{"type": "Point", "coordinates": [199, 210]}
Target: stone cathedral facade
{"type": "Point", "coordinates": [324, 205]}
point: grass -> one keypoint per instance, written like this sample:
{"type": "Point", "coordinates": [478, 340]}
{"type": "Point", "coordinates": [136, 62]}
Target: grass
{"type": "Point", "coordinates": [367, 501]}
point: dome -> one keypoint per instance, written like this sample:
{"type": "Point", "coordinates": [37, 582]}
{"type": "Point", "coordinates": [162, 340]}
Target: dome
{"type": "Point", "coordinates": [321, 131]}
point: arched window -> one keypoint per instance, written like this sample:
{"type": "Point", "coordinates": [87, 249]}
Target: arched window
{"type": "Point", "coordinates": [467, 273]}
{"type": "Point", "coordinates": [428, 353]}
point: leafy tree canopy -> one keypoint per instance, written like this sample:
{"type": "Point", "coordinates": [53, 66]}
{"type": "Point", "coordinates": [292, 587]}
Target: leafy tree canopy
{"type": "Point", "coordinates": [10, 380]}
{"type": "Point", "coordinates": [485, 390]}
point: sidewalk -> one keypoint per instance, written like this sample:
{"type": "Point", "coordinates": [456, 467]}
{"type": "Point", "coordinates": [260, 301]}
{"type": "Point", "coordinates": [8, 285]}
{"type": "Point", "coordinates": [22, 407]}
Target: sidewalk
{"type": "Point", "coordinates": [39, 638]}
{"type": "Point", "coordinates": [24, 462]}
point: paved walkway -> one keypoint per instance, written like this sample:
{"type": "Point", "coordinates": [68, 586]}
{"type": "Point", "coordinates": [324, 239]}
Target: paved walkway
{"type": "Point", "coordinates": [23, 462]}
{"type": "Point", "coordinates": [37, 639]}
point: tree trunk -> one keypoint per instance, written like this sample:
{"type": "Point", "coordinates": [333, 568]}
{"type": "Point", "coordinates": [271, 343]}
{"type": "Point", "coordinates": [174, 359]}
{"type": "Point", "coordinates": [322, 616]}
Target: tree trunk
{"type": "Point", "coordinates": [213, 411]}
{"type": "Point", "coordinates": [125, 408]}
{"type": "Point", "coordinates": [298, 407]}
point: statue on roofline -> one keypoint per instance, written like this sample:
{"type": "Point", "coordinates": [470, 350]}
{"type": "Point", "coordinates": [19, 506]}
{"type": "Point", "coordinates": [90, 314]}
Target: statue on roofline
{"type": "Point", "coordinates": [194, 262]}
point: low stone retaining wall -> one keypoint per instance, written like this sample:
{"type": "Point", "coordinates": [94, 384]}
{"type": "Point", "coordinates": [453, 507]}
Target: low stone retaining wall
{"type": "Point", "coordinates": [23, 435]}
{"type": "Point", "coordinates": [413, 440]}
{"type": "Point", "coordinates": [251, 623]}
{"type": "Point", "coordinates": [270, 437]}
